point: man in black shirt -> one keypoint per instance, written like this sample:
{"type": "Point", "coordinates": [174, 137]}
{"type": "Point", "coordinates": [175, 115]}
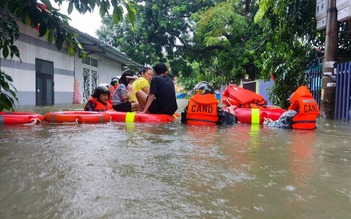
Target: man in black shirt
{"type": "Point", "coordinates": [162, 98]}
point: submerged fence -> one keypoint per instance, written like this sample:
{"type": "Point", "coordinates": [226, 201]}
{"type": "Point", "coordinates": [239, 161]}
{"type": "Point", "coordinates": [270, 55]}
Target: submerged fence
{"type": "Point", "coordinates": [343, 91]}
{"type": "Point", "coordinates": [314, 78]}
{"type": "Point", "coordinates": [342, 108]}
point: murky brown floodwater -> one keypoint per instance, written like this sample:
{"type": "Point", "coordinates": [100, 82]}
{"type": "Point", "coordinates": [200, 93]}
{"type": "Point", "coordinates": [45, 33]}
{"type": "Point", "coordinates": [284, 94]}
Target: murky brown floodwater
{"type": "Point", "coordinates": [118, 170]}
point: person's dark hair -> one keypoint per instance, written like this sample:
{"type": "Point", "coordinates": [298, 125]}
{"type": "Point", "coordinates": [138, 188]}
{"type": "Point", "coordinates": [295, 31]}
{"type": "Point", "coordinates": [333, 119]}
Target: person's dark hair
{"type": "Point", "coordinates": [144, 69]}
{"type": "Point", "coordinates": [124, 80]}
{"type": "Point", "coordinates": [160, 68]}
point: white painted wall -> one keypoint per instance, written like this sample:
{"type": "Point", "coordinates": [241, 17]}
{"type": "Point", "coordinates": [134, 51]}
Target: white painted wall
{"type": "Point", "coordinates": [106, 70]}
{"type": "Point", "coordinates": [23, 80]}
{"type": "Point", "coordinates": [22, 70]}
{"type": "Point", "coordinates": [66, 68]}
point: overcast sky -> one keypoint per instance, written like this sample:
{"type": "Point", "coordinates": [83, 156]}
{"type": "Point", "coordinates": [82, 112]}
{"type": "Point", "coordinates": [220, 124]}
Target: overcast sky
{"type": "Point", "coordinates": [87, 23]}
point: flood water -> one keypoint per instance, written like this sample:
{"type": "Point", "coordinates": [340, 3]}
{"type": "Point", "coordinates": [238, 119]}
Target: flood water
{"type": "Point", "coordinates": [118, 170]}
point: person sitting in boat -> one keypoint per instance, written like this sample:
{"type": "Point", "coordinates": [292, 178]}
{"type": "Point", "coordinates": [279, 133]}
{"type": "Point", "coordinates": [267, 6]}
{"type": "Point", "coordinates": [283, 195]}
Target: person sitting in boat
{"type": "Point", "coordinates": [121, 96]}
{"type": "Point", "coordinates": [114, 84]}
{"type": "Point", "coordinates": [301, 114]}
{"type": "Point", "coordinates": [202, 108]}
{"type": "Point", "coordinates": [162, 98]}
{"type": "Point", "coordinates": [99, 99]}
{"type": "Point", "coordinates": [142, 83]}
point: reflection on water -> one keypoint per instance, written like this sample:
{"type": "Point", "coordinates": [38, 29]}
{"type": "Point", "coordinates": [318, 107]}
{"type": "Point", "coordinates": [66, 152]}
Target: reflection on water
{"type": "Point", "coordinates": [118, 170]}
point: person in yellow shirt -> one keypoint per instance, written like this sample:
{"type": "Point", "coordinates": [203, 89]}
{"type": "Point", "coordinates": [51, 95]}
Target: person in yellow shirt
{"type": "Point", "coordinates": [142, 83]}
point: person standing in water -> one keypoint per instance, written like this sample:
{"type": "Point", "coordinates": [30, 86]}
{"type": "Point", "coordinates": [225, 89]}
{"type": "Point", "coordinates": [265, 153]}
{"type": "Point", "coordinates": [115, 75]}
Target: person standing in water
{"type": "Point", "coordinates": [202, 108]}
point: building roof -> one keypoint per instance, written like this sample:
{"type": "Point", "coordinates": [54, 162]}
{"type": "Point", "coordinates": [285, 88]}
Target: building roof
{"type": "Point", "coordinates": [92, 45]}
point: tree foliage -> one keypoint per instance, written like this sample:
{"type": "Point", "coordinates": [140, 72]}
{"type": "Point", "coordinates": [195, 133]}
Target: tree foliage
{"type": "Point", "coordinates": [215, 41]}
{"type": "Point", "coordinates": [344, 42]}
{"type": "Point", "coordinates": [162, 32]}
{"type": "Point", "coordinates": [231, 39]}
{"type": "Point", "coordinates": [219, 40]}
{"type": "Point", "coordinates": [50, 23]}
{"type": "Point", "coordinates": [190, 33]}
{"type": "Point", "coordinates": [290, 29]}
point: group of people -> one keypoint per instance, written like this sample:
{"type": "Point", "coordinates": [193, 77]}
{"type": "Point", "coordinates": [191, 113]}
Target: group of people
{"type": "Point", "coordinates": [153, 92]}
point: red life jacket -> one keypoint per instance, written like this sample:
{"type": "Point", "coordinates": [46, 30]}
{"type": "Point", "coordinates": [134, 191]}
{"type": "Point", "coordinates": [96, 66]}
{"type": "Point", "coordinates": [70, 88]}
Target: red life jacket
{"type": "Point", "coordinates": [112, 90]}
{"type": "Point", "coordinates": [306, 107]}
{"type": "Point", "coordinates": [202, 110]}
{"type": "Point", "coordinates": [242, 98]}
{"type": "Point", "coordinates": [100, 106]}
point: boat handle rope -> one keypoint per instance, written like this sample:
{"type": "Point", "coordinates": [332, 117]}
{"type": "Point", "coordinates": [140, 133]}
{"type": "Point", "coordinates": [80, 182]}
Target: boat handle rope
{"type": "Point", "coordinates": [33, 121]}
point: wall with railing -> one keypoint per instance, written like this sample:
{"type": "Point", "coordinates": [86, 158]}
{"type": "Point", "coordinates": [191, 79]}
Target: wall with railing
{"type": "Point", "coordinates": [342, 108]}
{"type": "Point", "coordinates": [343, 91]}
{"type": "Point", "coordinates": [314, 78]}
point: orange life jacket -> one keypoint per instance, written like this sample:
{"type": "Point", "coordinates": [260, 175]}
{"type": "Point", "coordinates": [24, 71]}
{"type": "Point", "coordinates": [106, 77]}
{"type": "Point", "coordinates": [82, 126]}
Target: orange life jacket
{"type": "Point", "coordinates": [242, 98]}
{"type": "Point", "coordinates": [307, 109]}
{"type": "Point", "coordinates": [202, 110]}
{"type": "Point", "coordinates": [100, 106]}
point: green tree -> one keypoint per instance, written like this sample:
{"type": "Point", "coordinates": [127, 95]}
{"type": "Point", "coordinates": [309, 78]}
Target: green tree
{"type": "Point", "coordinates": [51, 24]}
{"type": "Point", "coordinates": [187, 34]}
{"type": "Point", "coordinates": [229, 39]}
{"type": "Point", "coordinates": [224, 40]}
{"type": "Point", "coordinates": [163, 32]}
{"type": "Point", "coordinates": [344, 48]}
{"type": "Point", "coordinates": [290, 32]}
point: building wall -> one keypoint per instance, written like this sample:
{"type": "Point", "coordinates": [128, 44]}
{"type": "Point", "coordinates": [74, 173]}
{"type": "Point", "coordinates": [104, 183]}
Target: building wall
{"type": "Point", "coordinates": [263, 90]}
{"type": "Point", "coordinates": [106, 70]}
{"type": "Point", "coordinates": [260, 87]}
{"type": "Point", "coordinates": [66, 68]}
{"type": "Point", "coordinates": [23, 73]}
{"type": "Point", "coordinates": [109, 69]}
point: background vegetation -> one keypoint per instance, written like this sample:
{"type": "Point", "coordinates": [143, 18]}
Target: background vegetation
{"type": "Point", "coordinates": [215, 41]}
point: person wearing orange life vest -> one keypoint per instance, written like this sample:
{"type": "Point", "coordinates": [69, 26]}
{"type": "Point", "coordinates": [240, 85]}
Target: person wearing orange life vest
{"type": "Point", "coordinates": [203, 108]}
{"type": "Point", "coordinates": [99, 99]}
{"type": "Point", "coordinates": [306, 107]}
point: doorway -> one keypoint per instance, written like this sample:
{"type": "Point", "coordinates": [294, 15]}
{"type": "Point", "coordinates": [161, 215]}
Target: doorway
{"type": "Point", "coordinates": [90, 77]}
{"type": "Point", "coordinates": [44, 74]}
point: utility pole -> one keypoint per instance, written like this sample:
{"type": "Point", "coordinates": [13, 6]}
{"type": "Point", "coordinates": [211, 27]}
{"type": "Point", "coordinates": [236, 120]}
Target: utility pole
{"type": "Point", "coordinates": [329, 64]}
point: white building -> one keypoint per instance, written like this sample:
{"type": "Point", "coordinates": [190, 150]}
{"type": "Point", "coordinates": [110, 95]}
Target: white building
{"type": "Point", "coordinates": [45, 75]}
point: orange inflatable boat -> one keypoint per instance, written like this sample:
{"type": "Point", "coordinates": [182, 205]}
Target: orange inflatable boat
{"type": "Point", "coordinates": [257, 115]}
{"type": "Point", "coordinates": [13, 118]}
{"type": "Point", "coordinates": [77, 117]}
{"type": "Point", "coordinates": [117, 116]}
